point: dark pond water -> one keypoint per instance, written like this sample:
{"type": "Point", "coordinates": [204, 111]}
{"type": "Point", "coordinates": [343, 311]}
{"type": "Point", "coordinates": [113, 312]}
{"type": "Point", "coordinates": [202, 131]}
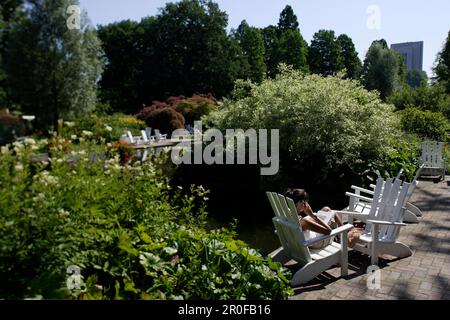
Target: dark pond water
{"type": "Point", "coordinates": [237, 192]}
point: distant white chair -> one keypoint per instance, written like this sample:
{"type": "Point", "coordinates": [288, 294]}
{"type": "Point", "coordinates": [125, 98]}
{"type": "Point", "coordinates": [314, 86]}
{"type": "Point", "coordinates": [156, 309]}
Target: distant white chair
{"type": "Point", "coordinates": [135, 140]}
{"type": "Point", "coordinates": [432, 158]}
{"type": "Point", "coordinates": [148, 131]}
{"type": "Point", "coordinates": [159, 136]}
{"type": "Point", "coordinates": [295, 245]}
{"type": "Point", "coordinates": [147, 139]}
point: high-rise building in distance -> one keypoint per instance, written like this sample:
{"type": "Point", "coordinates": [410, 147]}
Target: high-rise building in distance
{"type": "Point", "coordinates": [412, 52]}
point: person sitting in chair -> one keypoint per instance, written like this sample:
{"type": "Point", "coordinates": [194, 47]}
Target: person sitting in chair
{"type": "Point", "coordinates": [310, 221]}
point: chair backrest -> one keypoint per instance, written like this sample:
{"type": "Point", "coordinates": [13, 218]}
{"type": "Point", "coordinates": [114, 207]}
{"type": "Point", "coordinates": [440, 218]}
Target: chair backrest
{"type": "Point", "coordinates": [432, 153]}
{"type": "Point", "coordinates": [414, 183]}
{"type": "Point", "coordinates": [144, 136]}
{"type": "Point", "coordinates": [288, 227]}
{"type": "Point", "coordinates": [148, 132]}
{"type": "Point", "coordinates": [292, 240]}
{"type": "Point", "coordinates": [389, 207]}
{"type": "Point", "coordinates": [130, 137]}
{"type": "Point", "coordinates": [399, 174]}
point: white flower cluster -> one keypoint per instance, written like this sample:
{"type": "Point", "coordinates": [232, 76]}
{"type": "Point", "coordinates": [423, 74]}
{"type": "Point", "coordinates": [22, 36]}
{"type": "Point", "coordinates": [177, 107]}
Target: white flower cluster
{"type": "Point", "coordinates": [108, 128]}
{"type": "Point", "coordinates": [46, 179]}
{"type": "Point", "coordinates": [87, 133]}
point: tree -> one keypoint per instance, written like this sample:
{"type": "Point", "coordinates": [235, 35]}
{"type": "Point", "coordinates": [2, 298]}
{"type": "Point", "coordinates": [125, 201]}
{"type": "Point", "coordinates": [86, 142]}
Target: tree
{"type": "Point", "coordinates": [350, 57]}
{"type": "Point", "coordinates": [2, 73]}
{"type": "Point", "coordinates": [8, 13]}
{"type": "Point", "coordinates": [416, 78]}
{"type": "Point", "coordinates": [251, 42]}
{"type": "Point", "coordinates": [442, 67]}
{"type": "Point", "coordinates": [270, 36]}
{"type": "Point", "coordinates": [193, 52]}
{"type": "Point", "coordinates": [285, 44]}
{"type": "Point", "coordinates": [381, 69]}
{"type": "Point", "coordinates": [288, 20]}
{"type": "Point", "coordinates": [120, 81]}
{"type": "Point", "coordinates": [52, 70]}
{"type": "Point", "coordinates": [402, 70]}
{"type": "Point", "coordinates": [325, 54]}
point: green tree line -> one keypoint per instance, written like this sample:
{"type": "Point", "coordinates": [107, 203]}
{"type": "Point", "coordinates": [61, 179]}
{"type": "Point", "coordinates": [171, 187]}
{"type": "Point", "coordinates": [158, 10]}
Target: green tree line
{"type": "Point", "coordinates": [52, 71]}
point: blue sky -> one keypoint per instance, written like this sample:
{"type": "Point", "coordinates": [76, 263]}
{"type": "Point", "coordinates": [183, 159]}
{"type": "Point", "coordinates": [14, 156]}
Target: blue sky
{"type": "Point", "coordinates": [399, 20]}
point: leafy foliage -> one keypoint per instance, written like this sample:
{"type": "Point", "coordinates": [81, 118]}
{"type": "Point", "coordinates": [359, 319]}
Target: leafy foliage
{"type": "Point", "coordinates": [324, 55]}
{"type": "Point", "coordinates": [10, 127]}
{"type": "Point", "coordinates": [349, 56]}
{"type": "Point", "coordinates": [130, 234]}
{"type": "Point", "coordinates": [62, 66]}
{"type": "Point", "coordinates": [285, 44]}
{"type": "Point", "coordinates": [192, 108]}
{"type": "Point", "coordinates": [432, 98]}
{"type": "Point", "coordinates": [427, 124]}
{"type": "Point", "coordinates": [382, 69]}
{"type": "Point", "coordinates": [251, 42]}
{"type": "Point", "coordinates": [166, 120]}
{"type": "Point", "coordinates": [102, 127]}
{"type": "Point", "coordinates": [326, 124]}
{"type": "Point", "coordinates": [416, 78]}
{"type": "Point", "coordinates": [442, 68]}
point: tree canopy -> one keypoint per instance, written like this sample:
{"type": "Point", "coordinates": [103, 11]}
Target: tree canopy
{"type": "Point", "coordinates": [52, 71]}
{"type": "Point", "coordinates": [381, 69]}
{"type": "Point", "coordinates": [325, 53]}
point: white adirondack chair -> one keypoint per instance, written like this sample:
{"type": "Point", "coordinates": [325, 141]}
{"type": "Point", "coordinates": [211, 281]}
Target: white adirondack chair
{"type": "Point", "coordinates": [383, 221]}
{"type": "Point", "coordinates": [159, 136]}
{"type": "Point", "coordinates": [295, 243]}
{"type": "Point", "coordinates": [363, 206]}
{"type": "Point", "coordinates": [432, 158]}
{"type": "Point", "coordinates": [132, 139]}
{"type": "Point", "coordinates": [147, 139]}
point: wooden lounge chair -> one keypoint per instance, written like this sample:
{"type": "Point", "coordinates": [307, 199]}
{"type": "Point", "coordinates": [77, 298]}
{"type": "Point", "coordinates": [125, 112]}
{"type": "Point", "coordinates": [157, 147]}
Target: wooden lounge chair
{"type": "Point", "coordinates": [134, 140]}
{"type": "Point", "coordinates": [362, 205]}
{"type": "Point", "coordinates": [432, 159]}
{"type": "Point", "coordinates": [384, 220]}
{"type": "Point", "coordinates": [147, 139]}
{"type": "Point", "coordinates": [159, 136]}
{"type": "Point", "coordinates": [295, 243]}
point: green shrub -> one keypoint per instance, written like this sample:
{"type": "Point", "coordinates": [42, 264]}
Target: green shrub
{"type": "Point", "coordinates": [103, 127]}
{"type": "Point", "coordinates": [192, 109]}
{"type": "Point", "coordinates": [426, 124]}
{"type": "Point", "coordinates": [10, 127]}
{"type": "Point", "coordinates": [130, 234]}
{"type": "Point", "coordinates": [326, 124]}
{"type": "Point", "coordinates": [166, 120]}
{"type": "Point", "coordinates": [195, 107]}
{"type": "Point", "coordinates": [432, 98]}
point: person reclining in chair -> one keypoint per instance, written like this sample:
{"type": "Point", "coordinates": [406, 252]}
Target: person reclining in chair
{"type": "Point", "coordinates": [311, 222]}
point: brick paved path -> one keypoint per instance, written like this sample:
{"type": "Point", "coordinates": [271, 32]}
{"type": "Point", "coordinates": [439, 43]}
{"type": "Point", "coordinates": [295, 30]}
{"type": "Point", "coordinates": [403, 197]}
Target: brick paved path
{"type": "Point", "coordinates": [424, 275]}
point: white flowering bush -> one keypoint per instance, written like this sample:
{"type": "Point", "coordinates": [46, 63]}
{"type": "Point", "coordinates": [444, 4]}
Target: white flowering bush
{"type": "Point", "coordinates": [121, 224]}
{"type": "Point", "coordinates": [325, 124]}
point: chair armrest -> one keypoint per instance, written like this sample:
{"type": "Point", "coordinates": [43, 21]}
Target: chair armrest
{"type": "Point", "coordinates": [371, 192]}
{"type": "Point", "coordinates": [334, 232]}
{"type": "Point", "coordinates": [387, 223]}
{"type": "Point", "coordinates": [353, 214]}
{"type": "Point", "coordinates": [349, 194]}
